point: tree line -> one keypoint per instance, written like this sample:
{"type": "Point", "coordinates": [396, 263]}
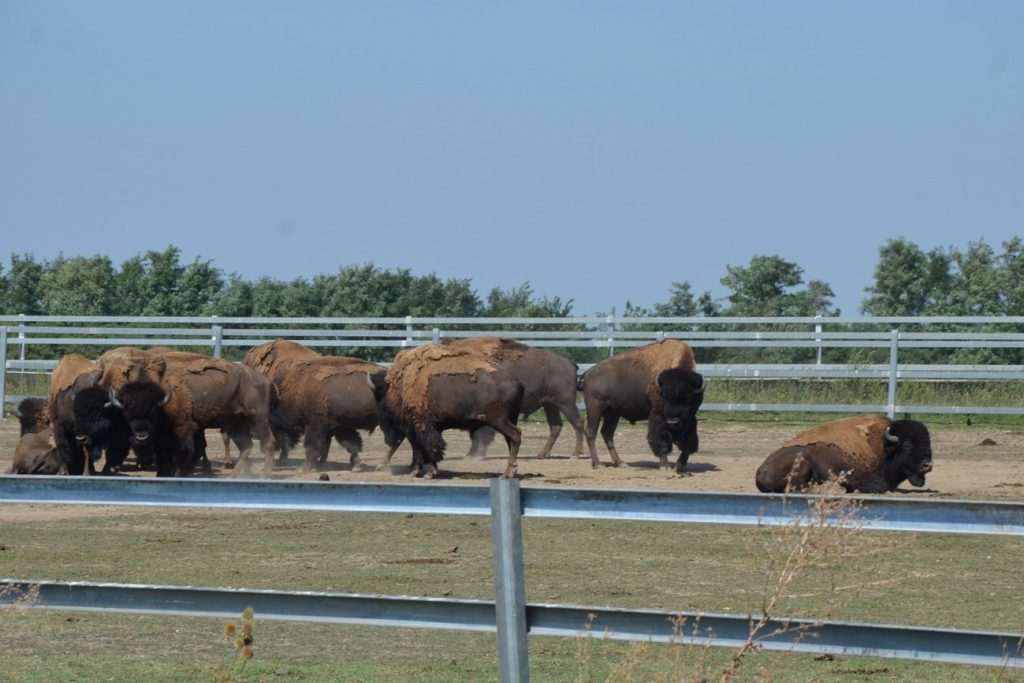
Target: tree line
{"type": "Point", "coordinates": [908, 281]}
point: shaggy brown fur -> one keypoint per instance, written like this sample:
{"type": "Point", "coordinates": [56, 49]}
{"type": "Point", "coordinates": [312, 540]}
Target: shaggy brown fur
{"type": "Point", "coordinates": [664, 354]}
{"type": "Point", "coordinates": [36, 453]}
{"type": "Point", "coordinates": [73, 371]}
{"type": "Point", "coordinates": [410, 375]}
{"type": "Point", "coordinates": [274, 358]}
{"type": "Point", "coordinates": [117, 365]}
{"type": "Point", "coordinates": [861, 437]}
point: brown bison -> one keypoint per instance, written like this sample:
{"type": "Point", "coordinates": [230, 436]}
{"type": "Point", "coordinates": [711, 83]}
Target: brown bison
{"type": "Point", "coordinates": [274, 358]}
{"type": "Point", "coordinates": [549, 383]}
{"type": "Point", "coordinates": [868, 453]}
{"type": "Point", "coordinates": [203, 393]}
{"type": "Point", "coordinates": [73, 373]}
{"type": "Point", "coordinates": [32, 415]}
{"type": "Point", "coordinates": [36, 453]}
{"type": "Point", "coordinates": [658, 383]}
{"type": "Point", "coordinates": [436, 387]}
{"type": "Point", "coordinates": [326, 397]}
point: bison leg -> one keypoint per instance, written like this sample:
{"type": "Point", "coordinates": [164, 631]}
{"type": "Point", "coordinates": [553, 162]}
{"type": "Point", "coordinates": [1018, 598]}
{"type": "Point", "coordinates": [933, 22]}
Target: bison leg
{"type": "Point", "coordinates": [611, 421]}
{"type": "Point", "coordinates": [554, 418]}
{"type": "Point", "coordinates": [573, 416]}
{"type": "Point", "coordinates": [659, 439]}
{"type": "Point", "coordinates": [514, 438]}
{"type": "Point", "coordinates": [226, 438]}
{"type": "Point", "coordinates": [593, 421]}
{"type": "Point", "coordinates": [350, 440]}
{"type": "Point", "coordinates": [317, 441]}
{"type": "Point", "coordinates": [479, 440]}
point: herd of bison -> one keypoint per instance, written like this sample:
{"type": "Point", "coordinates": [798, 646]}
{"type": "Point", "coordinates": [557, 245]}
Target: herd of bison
{"type": "Point", "coordinates": [157, 403]}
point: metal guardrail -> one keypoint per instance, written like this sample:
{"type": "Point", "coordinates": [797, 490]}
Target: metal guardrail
{"type": "Point", "coordinates": [608, 333]}
{"type": "Point", "coordinates": [510, 616]}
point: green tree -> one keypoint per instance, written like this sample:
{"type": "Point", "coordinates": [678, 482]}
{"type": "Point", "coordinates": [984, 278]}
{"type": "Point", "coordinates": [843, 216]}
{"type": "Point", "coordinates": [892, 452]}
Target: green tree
{"type": "Point", "coordinates": [909, 282]}
{"type": "Point", "coordinates": [235, 299]}
{"type": "Point", "coordinates": [766, 288]}
{"type": "Point", "coordinates": [1010, 265]}
{"type": "Point", "coordinates": [24, 290]}
{"type": "Point", "coordinates": [519, 302]}
{"type": "Point", "coordinates": [80, 286]}
{"type": "Point", "coordinates": [197, 289]}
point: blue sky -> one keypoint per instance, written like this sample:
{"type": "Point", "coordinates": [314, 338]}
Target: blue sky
{"type": "Point", "coordinates": [598, 150]}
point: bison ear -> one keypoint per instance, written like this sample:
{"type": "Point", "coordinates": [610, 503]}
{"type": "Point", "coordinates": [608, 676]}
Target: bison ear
{"type": "Point", "coordinates": [113, 398]}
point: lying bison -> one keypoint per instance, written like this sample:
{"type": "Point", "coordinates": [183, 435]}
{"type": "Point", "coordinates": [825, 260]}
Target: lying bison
{"type": "Point", "coordinates": [36, 453]}
{"type": "Point", "coordinates": [436, 387]}
{"type": "Point", "coordinates": [658, 383]}
{"type": "Point", "coordinates": [868, 453]}
{"type": "Point", "coordinates": [32, 415]}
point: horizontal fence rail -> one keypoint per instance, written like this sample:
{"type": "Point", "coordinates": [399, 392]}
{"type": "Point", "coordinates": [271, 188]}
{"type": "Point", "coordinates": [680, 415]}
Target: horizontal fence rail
{"type": "Point", "coordinates": [986, 648]}
{"type": "Point", "coordinates": [510, 616]}
{"type": "Point", "coordinates": [608, 334]}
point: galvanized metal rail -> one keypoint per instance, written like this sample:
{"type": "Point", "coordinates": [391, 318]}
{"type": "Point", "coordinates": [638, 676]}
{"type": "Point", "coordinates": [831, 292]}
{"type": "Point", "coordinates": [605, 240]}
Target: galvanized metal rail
{"type": "Point", "coordinates": [509, 615]}
{"type": "Point", "coordinates": [987, 648]}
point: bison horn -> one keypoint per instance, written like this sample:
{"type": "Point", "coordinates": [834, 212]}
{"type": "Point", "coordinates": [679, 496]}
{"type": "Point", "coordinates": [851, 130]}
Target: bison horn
{"type": "Point", "coordinates": [113, 398]}
{"type": "Point", "coordinates": [891, 438]}
{"type": "Point", "coordinates": [369, 382]}
{"type": "Point", "coordinates": [657, 380]}
{"type": "Point", "coordinates": [166, 398]}
{"type": "Point", "coordinates": [703, 385]}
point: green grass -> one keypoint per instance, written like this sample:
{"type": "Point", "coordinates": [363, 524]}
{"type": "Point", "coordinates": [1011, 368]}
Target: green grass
{"type": "Point", "coordinates": [948, 581]}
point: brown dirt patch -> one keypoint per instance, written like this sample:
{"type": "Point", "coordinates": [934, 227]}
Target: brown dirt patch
{"type": "Point", "coordinates": [730, 453]}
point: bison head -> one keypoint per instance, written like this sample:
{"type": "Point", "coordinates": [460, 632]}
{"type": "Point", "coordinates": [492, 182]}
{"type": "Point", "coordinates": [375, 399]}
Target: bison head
{"type": "Point", "coordinates": [908, 453]}
{"type": "Point", "coordinates": [681, 392]}
{"type": "Point", "coordinates": [96, 419]}
{"type": "Point", "coordinates": [142, 403]}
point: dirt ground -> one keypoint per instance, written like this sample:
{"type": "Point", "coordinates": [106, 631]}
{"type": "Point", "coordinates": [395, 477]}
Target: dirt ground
{"type": "Point", "coordinates": [977, 462]}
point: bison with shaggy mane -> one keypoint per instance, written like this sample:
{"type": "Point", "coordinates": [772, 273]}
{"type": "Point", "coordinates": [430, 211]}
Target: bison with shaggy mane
{"type": "Point", "coordinates": [658, 383]}
{"type": "Point", "coordinates": [868, 453]}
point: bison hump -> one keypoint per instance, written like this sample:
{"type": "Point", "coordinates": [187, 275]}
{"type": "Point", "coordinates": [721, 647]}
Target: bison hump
{"type": "Point", "coordinates": [861, 437]}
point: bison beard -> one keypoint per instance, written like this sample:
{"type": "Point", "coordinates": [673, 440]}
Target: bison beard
{"type": "Point", "coordinates": [889, 453]}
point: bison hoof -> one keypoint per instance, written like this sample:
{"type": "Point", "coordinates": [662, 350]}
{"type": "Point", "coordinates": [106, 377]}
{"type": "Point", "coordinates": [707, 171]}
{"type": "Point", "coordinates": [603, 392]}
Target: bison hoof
{"type": "Point", "coordinates": [510, 472]}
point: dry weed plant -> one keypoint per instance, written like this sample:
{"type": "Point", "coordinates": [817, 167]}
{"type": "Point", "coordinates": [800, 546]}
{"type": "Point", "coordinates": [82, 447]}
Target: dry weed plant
{"type": "Point", "coordinates": [15, 600]}
{"type": "Point", "coordinates": [822, 537]}
{"type": "Point", "coordinates": [240, 635]}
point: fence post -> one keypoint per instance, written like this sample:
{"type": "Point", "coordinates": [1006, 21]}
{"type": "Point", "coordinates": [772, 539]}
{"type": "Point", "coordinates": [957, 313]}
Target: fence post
{"type": "Point", "coordinates": [218, 340]}
{"type": "Point", "coordinates": [21, 335]}
{"type": "Point", "coordinates": [610, 322]}
{"type": "Point", "coordinates": [408, 330]}
{"type": "Point", "coordinates": [894, 342]}
{"type": "Point", "coordinates": [436, 335]}
{"type": "Point", "coordinates": [3, 372]}
{"type": "Point", "coordinates": [509, 583]}
{"type": "Point", "coordinates": [817, 332]}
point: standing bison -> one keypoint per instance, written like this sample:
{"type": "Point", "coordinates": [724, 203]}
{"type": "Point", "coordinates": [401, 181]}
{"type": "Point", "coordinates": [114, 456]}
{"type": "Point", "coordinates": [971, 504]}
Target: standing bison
{"type": "Point", "coordinates": [439, 386]}
{"type": "Point", "coordinates": [868, 453]}
{"type": "Point", "coordinates": [658, 383]}
{"type": "Point", "coordinates": [549, 384]}
{"type": "Point", "coordinates": [203, 393]}
{"type": "Point", "coordinates": [73, 373]}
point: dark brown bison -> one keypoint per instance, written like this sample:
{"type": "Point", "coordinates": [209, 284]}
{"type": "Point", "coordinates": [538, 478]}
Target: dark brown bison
{"type": "Point", "coordinates": [326, 397]}
{"type": "Point", "coordinates": [36, 453]}
{"type": "Point", "coordinates": [868, 453]}
{"type": "Point", "coordinates": [143, 404]}
{"type": "Point", "coordinates": [32, 415]}
{"type": "Point", "coordinates": [436, 387]}
{"type": "Point", "coordinates": [73, 373]}
{"type": "Point", "coordinates": [100, 428]}
{"type": "Point", "coordinates": [658, 383]}
{"type": "Point", "coordinates": [549, 384]}
{"type": "Point", "coordinates": [204, 393]}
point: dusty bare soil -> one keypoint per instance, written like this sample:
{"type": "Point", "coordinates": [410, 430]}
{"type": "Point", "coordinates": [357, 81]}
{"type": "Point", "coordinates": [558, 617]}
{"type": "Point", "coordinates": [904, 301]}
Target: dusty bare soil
{"type": "Point", "coordinates": [984, 462]}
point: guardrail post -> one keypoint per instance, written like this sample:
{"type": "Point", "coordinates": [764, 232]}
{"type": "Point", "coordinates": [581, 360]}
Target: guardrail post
{"type": "Point", "coordinates": [3, 372]}
{"type": "Point", "coordinates": [509, 582]}
{"type": "Point", "coordinates": [894, 342]}
{"type": "Point", "coordinates": [218, 340]}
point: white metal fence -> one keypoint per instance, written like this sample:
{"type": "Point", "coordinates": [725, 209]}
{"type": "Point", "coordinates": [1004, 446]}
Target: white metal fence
{"type": "Point", "coordinates": [886, 338]}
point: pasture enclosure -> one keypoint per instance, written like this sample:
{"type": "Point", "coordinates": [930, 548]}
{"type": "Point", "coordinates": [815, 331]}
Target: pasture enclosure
{"type": "Point", "coordinates": [510, 616]}
{"type": "Point", "coordinates": [889, 353]}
